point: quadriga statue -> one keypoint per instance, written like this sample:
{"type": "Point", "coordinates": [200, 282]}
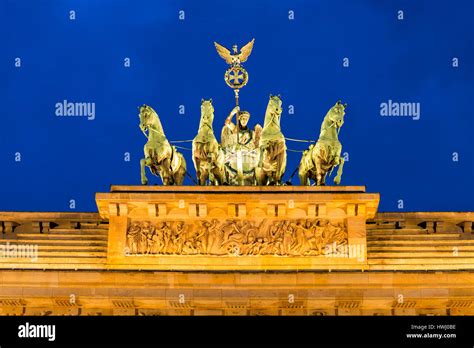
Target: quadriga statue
{"type": "Point", "coordinates": [162, 158]}
{"type": "Point", "coordinates": [322, 158]}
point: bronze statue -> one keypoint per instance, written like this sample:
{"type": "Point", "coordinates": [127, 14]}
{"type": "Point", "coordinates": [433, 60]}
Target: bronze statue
{"type": "Point", "coordinates": [240, 133]}
{"type": "Point", "coordinates": [240, 146]}
{"type": "Point", "coordinates": [320, 159]}
{"type": "Point", "coordinates": [272, 163]}
{"type": "Point", "coordinates": [207, 154]}
{"type": "Point", "coordinates": [236, 76]}
{"type": "Point", "coordinates": [245, 156]}
{"type": "Point", "coordinates": [239, 143]}
{"type": "Point", "coordinates": [162, 158]}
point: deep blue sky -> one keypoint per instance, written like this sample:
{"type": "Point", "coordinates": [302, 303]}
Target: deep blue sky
{"type": "Point", "coordinates": [174, 63]}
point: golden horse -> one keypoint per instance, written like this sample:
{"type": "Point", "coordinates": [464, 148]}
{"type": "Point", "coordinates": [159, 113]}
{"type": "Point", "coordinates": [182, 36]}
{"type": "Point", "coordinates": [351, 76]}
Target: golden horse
{"type": "Point", "coordinates": [322, 158]}
{"type": "Point", "coordinates": [272, 163]}
{"type": "Point", "coordinates": [162, 158]}
{"type": "Point", "coordinates": [207, 154]}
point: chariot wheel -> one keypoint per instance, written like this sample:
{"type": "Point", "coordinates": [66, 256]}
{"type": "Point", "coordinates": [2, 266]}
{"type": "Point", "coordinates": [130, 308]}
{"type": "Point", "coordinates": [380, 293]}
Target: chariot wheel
{"type": "Point", "coordinates": [233, 249]}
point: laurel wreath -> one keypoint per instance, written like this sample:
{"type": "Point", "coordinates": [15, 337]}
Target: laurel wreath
{"type": "Point", "coordinates": [245, 77]}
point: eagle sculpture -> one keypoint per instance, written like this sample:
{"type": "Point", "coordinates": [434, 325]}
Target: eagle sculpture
{"type": "Point", "coordinates": [235, 58]}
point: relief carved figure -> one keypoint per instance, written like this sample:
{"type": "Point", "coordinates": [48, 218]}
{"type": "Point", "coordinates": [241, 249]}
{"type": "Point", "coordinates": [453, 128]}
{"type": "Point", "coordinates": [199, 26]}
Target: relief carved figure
{"type": "Point", "coordinates": [234, 237]}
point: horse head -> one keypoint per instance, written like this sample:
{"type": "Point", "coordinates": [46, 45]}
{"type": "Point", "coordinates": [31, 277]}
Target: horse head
{"type": "Point", "coordinates": [207, 113]}
{"type": "Point", "coordinates": [273, 112]}
{"type": "Point", "coordinates": [336, 115]}
{"type": "Point", "coordinates": [149, 119]}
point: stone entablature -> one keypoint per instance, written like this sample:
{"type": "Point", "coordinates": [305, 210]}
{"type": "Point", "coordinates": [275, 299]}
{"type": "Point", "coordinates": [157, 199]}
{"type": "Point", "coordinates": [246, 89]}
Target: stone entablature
{"type": "Point", "coordinates": [237, 228]}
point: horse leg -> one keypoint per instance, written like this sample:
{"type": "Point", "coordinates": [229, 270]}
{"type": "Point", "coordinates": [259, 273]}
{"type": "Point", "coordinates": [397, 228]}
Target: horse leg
{"type": "Point", "coordinates": [282, 166]}
{"type": "Point", "coordinates": [217, 175]}
{"type": "Point", "coordinates": [220, 167]}
{"type": "Point", "coordinates": [202, 174]}
{"type": "Point", "coordinates": [320, 175]}
{"type": "Point", "coordinates": [323, 178]}
{"type": "Point", "coordinates": [260, 176]}
{"type": "Point", "coordinates": [319, 159]}
{"type": "Point", "coordinates": [201, 178]}
{"type": "Point", "coordinates": [197, 166]}
{"type": "Point", "coordinates": [219, 171]}
{"type": "Point", "coordinates": [304, 169]}
{"type": "Point", "coordinates": [178, 177]}
{"type": "Point", "coordinates": [303, 175]}
{"type": "Point", "coordinates": [222, 178]}
{"type": "Point", "coordinates": [165, 172]}
{"type": "Point", "coordinates": [210, 171]}
{"type": "Point", "coordinates": [144, 162]}
{"type": "Point", "coordinates": [274, 165]}
{"type": "Point", "coordinates": [337, 179]}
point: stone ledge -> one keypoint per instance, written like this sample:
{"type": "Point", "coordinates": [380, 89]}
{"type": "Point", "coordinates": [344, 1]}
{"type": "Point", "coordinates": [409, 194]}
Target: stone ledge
{"type": "Point", "coordinates": [237, 189]}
